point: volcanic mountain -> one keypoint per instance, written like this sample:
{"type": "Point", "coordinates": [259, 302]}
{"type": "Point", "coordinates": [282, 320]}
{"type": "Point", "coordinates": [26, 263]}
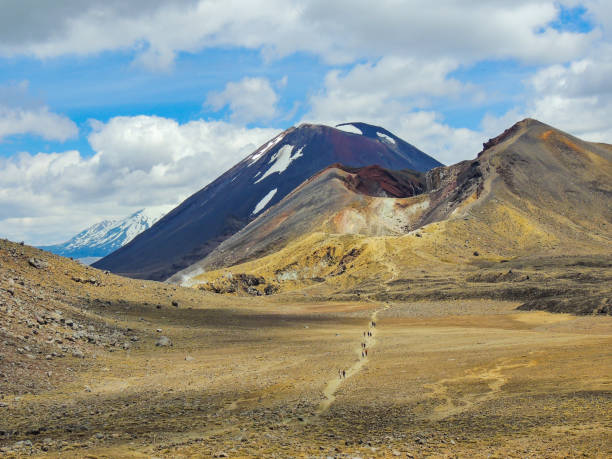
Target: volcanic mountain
{"type": "Point", "coordinates": [338, 199]}
{"type": "Point", "coordinates": [533, 190]}
{"type": "Point", "coordinates": [196, 227]}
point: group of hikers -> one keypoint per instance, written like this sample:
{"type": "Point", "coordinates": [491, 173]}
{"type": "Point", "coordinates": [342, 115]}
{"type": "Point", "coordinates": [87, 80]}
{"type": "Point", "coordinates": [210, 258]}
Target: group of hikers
{"type": "Point", "coordinates": [364, 349]}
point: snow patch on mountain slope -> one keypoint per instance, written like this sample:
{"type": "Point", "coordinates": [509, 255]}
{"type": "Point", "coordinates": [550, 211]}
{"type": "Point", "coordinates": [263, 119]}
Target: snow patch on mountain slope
{"type": "Point", "coordinates": [349, 128]}
{"type": "Point", "coordinates": [258, 154]}
{"type": "Point", "coordinates": [281, 160]}
{"type": "Point", "coordinates": [385, 138]}
{"type": "Point", "coordinates": [264, 202]}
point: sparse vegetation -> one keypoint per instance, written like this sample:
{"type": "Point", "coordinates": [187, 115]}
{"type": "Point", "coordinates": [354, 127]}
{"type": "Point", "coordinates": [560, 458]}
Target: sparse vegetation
{"type": "Point", "coordinates": [246, 376]}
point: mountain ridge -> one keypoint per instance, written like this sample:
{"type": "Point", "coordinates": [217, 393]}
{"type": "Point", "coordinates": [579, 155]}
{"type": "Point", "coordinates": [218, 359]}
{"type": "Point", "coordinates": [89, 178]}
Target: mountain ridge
{"type": "Point", "coordinates": [102, 238]}
{"type": "Point", "coordinates": [532, 190]}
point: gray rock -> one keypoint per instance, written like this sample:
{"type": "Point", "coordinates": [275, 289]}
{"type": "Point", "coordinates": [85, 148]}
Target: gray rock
{"type": "Point", "coordinates": [78, 354]}
{"type": "Point", "coordinates": [38, 263]}
{"type": "Point", "coordinates": [163, 341]}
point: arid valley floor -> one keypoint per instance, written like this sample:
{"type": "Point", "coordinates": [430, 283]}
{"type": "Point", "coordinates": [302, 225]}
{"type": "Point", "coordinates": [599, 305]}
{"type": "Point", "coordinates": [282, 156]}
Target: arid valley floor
{"type": "Point", "coordinates": [470, 377]}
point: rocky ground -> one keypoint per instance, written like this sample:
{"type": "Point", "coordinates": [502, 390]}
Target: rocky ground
{"type": "Point", "coordinates": [95, 365]}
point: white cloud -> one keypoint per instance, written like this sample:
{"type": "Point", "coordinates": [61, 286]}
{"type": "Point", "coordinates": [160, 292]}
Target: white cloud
{"type": "Point", "coordinates": [340, 31]}
{"type": "Point", "coordinates": [39, 121]}
{"type": "Point", "coordinates": [249, 100]}
{"type": "Point", "coordinates": [396, 93]}
{"type": "Point", "coordinates": [139, 162]}
{"type": "Point", "coordinates": [22, 114]}
{"type": "Point", "coordinates": [576, 97]}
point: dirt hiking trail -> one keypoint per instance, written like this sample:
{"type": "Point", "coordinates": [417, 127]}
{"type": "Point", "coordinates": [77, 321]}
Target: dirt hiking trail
{"type": "Point", "coordinates": [333, 386]}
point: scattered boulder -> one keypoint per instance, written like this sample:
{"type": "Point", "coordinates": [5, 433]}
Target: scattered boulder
{"type": "Point", "coordinates": [38, 263]}
{"type": "Point", "coordinates": [163, 341]}
{"type": "Point", "coordinates": [91, 280]}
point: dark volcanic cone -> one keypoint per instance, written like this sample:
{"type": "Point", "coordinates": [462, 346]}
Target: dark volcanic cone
{"type": "Point", "coordinates": [193, 229]}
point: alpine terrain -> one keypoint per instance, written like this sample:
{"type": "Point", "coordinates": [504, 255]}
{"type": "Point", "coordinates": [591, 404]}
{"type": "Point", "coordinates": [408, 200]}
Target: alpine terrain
{"type": "Point", "coordinates": [362, 310]}
{"type": "Point", "coordinates": [197, 226]}
{"type": "Point", "coordinates": [107, 236]}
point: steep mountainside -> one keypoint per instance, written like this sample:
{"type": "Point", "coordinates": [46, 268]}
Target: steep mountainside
{"type": "Point", "coordinates": [107, 236]}
{"type": "Point", "coordinates": [193, 229]}
{"type": "Point", "coordinates": [533, 191]}
{"type": "Point", "coordinates": [336, 200]}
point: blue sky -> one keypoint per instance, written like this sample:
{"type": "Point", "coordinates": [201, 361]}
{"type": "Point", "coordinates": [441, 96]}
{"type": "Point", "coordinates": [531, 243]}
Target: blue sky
{"type": "Point", "coordinates": [106, 107]}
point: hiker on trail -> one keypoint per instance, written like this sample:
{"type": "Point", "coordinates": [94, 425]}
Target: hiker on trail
{"type": "Point", "coordinates": [343, 374]}
{"type": "Point", "coordinates": [364, 334]}
{"type": "Point", "coordinates": [362, 355]}
{"type": "Point", "coordinates": [366, 352]}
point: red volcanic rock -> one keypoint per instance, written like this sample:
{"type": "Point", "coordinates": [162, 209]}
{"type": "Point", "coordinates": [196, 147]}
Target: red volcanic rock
{"type": "Point", "coordinates": [378, 181]}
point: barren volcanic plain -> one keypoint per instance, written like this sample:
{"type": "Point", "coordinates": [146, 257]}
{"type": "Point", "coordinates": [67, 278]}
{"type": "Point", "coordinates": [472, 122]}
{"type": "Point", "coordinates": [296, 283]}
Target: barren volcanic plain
{"type": "Point", "coordinates": [82, 375]}
{"type": "Point", "coordinates": [487, 326]}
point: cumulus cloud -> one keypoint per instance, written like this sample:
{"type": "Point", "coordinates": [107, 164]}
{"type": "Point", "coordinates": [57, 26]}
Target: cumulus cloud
{"type": "Point", "coordinates": [396, 93]}
{"type": "Point", "coordinates": [40, 121]}
{"type": "Point", "coordinates": [249, 100]}
{"type": "Point", "coordinates": [139, 162]}
{"type": "Point", "coordinates": [576, 97]}
{"type": "Point", "coordinates": [466, 30]}
{"type": "Point", "coordinates": [22, 114]}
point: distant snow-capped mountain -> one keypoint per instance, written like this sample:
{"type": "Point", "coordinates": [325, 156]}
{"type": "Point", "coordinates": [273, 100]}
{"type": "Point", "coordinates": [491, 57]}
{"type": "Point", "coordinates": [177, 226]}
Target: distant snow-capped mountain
{"type": "Point", "coordinates": [108, 235]}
